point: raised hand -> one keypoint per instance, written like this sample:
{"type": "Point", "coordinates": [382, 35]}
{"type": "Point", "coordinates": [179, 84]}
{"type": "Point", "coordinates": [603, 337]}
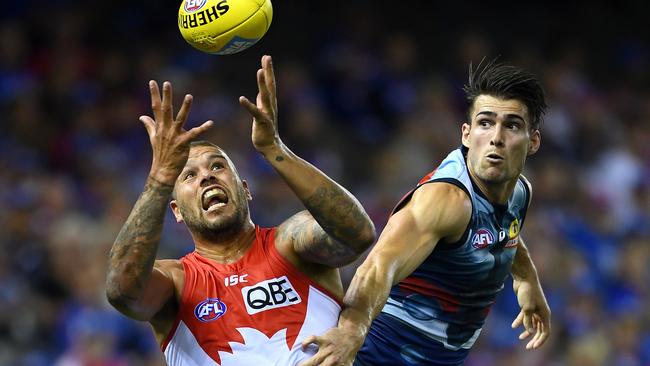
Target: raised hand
{"type": "Point", "coordinates": [170, 142]}
{"type": "Point", "coordinates": [265, 113]}
{"type": "Point", "coordinates": [535, 314]}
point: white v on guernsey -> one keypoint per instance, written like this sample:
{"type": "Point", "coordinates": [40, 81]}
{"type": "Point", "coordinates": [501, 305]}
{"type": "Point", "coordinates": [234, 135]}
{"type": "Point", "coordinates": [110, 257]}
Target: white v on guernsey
{"type": "Point", "coordinates": [255, 311]}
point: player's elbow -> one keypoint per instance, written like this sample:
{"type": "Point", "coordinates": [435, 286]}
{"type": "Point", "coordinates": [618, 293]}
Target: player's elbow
{"type": "Point", "coordinates": [117, 296]}
{"type": "Point", "coordinates": [355, 248]}
{"type": "Point", "coordinates": [356, 242]}
{"type": "Point", "coordinates": [117, 299]}
{"type": "Point", "coordinates": [367, 236]}
{"type": "Point", "coordinates": [125, 304]}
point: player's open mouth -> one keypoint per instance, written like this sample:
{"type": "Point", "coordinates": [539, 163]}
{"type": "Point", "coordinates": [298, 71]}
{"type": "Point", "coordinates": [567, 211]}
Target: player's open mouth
{"type": "Point", "coordinates": [492, 157]}
{"type": "Point", "coordinates": [214, 198]}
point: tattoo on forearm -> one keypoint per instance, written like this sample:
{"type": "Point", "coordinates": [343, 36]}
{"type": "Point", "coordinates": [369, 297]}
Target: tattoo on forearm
{"type": "Point", "coordinates": [339, 214]}
{"type": "Point", "coordinates": [314, 243]}
{"type": "Point", "coordinates": [134, 251]}
{"type": "Point", "coordinates": [341, 228]}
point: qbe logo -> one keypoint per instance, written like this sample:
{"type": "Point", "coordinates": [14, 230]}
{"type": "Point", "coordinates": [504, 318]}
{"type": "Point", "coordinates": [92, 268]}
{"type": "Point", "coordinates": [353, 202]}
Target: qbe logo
{"type": "Point", "coordinates": [482, 238]}
{"type": "Point", "coordinates": [269, 294]}
{"type": "Point", "coordinates": [193, 5]}
{"type": "Point", "coordinates": [209, 310]}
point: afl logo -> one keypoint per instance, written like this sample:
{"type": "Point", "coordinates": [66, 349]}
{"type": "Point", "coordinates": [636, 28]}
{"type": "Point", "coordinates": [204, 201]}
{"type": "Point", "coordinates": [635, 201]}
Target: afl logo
{"type": "Point", "coordinates": [209, 310]}
{"type": "Point", "coordinates": [193, 5]}
{"type": "Point", "coordinates": [482, 238]}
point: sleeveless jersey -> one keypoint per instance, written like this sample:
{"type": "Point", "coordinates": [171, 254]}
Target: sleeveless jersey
{"type": "Point", "coordinates": [255, 311]}
{"type": "Point", "coordinates": [447, 298]}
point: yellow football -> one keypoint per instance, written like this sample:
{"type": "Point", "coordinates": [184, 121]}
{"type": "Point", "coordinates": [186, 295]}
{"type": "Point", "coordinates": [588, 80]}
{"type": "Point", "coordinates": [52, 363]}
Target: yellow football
{"type": "Point", "coordinates": [223, 27]}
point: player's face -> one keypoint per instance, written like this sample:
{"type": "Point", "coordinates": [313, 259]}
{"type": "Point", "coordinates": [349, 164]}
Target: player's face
{"type": "Point", "coordinates": [499, 139]}
{"type": "Point", "coordinates": [210, 197]}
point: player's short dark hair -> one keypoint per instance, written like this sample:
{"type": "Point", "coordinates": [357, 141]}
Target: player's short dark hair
{"type": "Point", "coordinates": [507, 82]}
{"type": "Point", "coordinates": [203, 143]}
{"type": "Point", "coordinates": [197, 143]}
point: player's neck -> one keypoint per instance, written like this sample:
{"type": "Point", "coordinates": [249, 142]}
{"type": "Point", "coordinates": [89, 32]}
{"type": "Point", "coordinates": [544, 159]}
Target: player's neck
{"type": "Point", "coordinates": [495, 193]}
{"type": "Point", "coordinates": [228, 248]}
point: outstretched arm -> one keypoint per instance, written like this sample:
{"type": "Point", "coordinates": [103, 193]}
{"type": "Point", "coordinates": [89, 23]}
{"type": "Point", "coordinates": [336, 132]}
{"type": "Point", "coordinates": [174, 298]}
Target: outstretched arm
{"type": "Point", "coordinates": [535, 314]}
{"type": "Point", "coordinates": [336, 228]}
{"type": "Point", "coordinates": [135, 285]}
{"type": "Point", "coordinates": [131, 261]}
{"type": "Point", "coordinates": [436, 211]}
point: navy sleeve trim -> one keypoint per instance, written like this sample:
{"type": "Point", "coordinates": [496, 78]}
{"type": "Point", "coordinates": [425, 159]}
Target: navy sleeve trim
{"type": "Point", "coordinates": [453, 181]}
{"type": "Point", "coordinates": [525, 183]}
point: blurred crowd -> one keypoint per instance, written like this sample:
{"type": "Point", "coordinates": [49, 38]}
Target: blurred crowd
{"type": "Point", "coordinates": [370, 92]}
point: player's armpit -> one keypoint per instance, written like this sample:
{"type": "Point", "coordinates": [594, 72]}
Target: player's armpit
{"type": "Point", "coordinates": [304, 237]}
{"type": "Point", "coordinates": [157, 292]}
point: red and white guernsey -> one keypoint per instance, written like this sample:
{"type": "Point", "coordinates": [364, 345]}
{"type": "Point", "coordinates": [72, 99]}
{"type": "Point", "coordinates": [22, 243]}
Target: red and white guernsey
{"type": "Point", "coordinates": [255, 311]}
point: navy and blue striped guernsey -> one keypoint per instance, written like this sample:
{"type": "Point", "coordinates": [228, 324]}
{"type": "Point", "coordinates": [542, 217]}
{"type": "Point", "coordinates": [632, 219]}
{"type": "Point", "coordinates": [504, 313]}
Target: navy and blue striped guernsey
{"type": "Point", "coordinates": [434, 316]}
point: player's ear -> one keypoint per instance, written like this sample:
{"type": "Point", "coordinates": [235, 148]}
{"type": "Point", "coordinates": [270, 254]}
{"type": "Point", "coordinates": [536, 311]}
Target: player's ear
{"type": "Point", "coordinates": [176, 211]}
{"type": "Point", "coordinates": [465, 128]}
{"type": "Point", "coordinates": [535, 141]}
{"type": "Point", "coordinates": [248, 191]}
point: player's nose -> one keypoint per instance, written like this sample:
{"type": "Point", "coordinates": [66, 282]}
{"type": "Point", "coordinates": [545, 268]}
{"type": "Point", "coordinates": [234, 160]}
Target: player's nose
{"type": "Point", "coordinates": [497, 138]}
{"type": "Point", "coordinates": [207, 177]}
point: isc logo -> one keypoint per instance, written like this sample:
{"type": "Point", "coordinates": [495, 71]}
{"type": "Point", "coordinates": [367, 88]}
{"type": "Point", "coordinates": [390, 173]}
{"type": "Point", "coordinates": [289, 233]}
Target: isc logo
{"type": "Point", "coordinates": [235, 279]}
{"type": "Point", "coordinates": [209, 310]}
{"type": "Point", "coordinates": [269, 294]}
{"type": "Point", "coordinates": [482, 238]}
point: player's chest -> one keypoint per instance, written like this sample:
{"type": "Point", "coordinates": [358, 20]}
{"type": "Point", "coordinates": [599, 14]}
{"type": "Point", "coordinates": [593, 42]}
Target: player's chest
{"type": "Point", "coordinates": [244, 296]}
{"type": "Point", "coordinates": [491, 233]}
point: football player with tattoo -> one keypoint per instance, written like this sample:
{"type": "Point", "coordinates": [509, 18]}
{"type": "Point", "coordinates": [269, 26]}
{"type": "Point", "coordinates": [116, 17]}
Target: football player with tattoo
{"type": "Point", "coordinates": [247, 295]}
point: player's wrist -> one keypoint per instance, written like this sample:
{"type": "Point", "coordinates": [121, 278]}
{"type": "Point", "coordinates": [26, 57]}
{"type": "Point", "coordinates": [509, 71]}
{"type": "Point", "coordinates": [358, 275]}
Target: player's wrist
{"type": "Point", "coordinates": [164, 174]}
{"type": "Point", "coordinates": [274, 152]}
{"type": "Point", "coordinates": [162, 181]}
{"type": "Point", "coordinates": [355, 323]}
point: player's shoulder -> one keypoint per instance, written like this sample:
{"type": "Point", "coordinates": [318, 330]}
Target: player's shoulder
{"type": "Point", "coordinates": [444, 203]}
{"type": "Point", "coordinates": [171, 268]}
{"type": "Point", "coordinates": [441, 208]}
{"type": "Point", "coordinates": [168, 263]}
{"type": "Point", "coordinates": [442, 192]}
{"type": "Point", "coordinates": [525, 181]}
{"type": "Point", "coordinates": [527, 185]}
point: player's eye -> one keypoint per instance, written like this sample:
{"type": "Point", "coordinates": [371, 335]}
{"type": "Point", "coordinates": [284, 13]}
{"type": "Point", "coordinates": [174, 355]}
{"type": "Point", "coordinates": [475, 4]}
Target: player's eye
{"type": "Point", "coordinates": [216, 166]}
{"type": "Point", "coordinates": [484, 122]}
{"type": "Point", "coordinates": [188, 175]}
{"type": "Point", "coordinates": [514, 126]}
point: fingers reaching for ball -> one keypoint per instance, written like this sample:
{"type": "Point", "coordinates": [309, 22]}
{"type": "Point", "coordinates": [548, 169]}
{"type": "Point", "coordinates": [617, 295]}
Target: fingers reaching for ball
{"type": "Point", "coordinates": [264, 111]}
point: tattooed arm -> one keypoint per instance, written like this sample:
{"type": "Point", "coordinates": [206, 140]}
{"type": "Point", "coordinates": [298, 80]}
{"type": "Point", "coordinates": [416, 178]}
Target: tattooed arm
{"type": "Point", "coordinates": [136, 284]}
{"type": "Point", "coordinates": [133, 286]}
{"type": "Point", "coordinates": [435, 211]}
{"type": "Point", "coordinates": [336, 229]}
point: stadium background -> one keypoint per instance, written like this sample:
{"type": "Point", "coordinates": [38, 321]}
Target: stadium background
{"type": "Point", "coordinates": [369, 91]}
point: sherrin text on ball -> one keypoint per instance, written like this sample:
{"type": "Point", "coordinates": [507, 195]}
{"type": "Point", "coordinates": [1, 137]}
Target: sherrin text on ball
{"type": "Point", "coordinates": [224, 27]}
